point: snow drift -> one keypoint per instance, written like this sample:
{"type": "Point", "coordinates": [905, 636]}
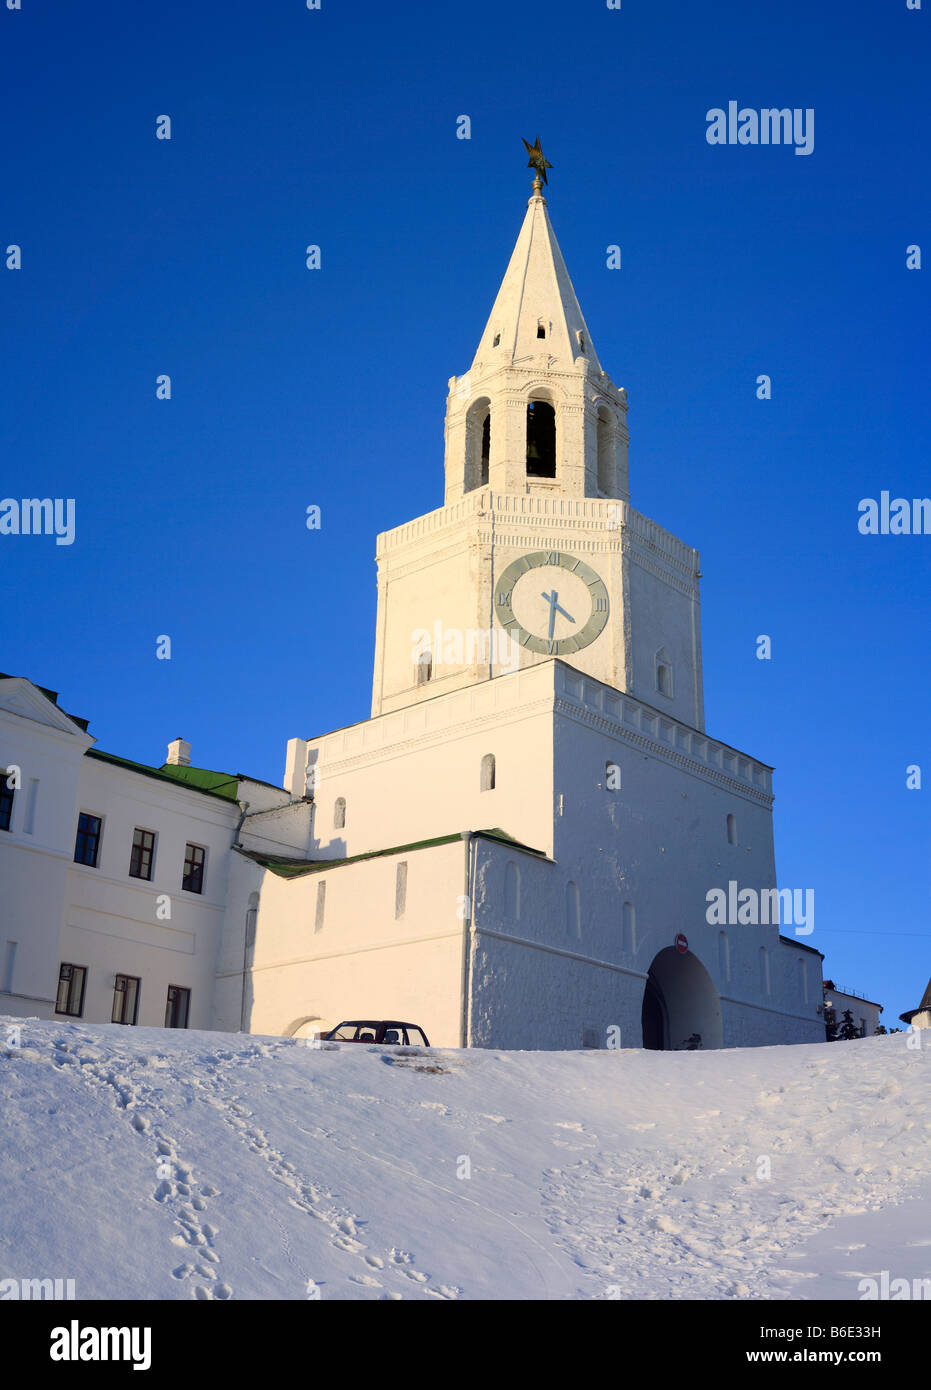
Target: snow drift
{"type": "Point", "coordinates": [153, 1164]}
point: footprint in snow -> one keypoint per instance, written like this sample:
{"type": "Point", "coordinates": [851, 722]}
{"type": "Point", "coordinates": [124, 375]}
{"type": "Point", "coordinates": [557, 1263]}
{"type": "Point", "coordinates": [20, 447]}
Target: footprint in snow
{"type": "Point", "coordinates": [221, 1291]}
{"type": "Point", "coordinates": [351, 1247]}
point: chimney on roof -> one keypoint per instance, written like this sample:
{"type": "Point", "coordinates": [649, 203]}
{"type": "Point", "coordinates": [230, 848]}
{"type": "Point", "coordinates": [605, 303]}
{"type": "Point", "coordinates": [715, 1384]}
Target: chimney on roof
{"type": "Point", "coordinates": [179, 753]}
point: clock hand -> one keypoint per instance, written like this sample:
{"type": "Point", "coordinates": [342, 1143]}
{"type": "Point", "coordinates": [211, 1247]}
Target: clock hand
{"type": "Point", "coordinates": [555, 607]}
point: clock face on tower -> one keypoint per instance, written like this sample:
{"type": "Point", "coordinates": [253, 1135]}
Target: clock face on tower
{"type": "Point", "coordinates": [551, 602]}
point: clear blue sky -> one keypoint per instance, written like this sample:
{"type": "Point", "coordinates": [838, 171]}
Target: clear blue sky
{"type": "Point", "coordinates": [291, 387]}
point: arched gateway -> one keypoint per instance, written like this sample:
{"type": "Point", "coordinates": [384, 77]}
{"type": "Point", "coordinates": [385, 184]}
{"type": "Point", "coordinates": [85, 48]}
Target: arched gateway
{"type": "Point", "coordinates": [680, 1004]}
{"type": "Point", "coordinates": [307, 1027]}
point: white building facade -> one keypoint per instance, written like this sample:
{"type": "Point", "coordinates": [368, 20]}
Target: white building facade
{"type": "Point", "coordinates": [517, 849]}
{"type": "Point", "coordinates": [865, 1013]}
{"type": "Point", "coordinates": [113, 875]}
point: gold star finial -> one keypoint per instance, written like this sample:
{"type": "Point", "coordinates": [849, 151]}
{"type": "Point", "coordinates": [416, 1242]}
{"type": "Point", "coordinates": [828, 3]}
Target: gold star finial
{"type": "Point", "coordinates": [536, 160]}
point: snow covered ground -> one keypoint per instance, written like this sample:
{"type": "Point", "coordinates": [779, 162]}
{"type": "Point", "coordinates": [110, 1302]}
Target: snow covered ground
{"type": "Point", "coordinates": [155, 1164]}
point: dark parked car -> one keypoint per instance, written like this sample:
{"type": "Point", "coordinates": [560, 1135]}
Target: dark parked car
{"type": "Point", "coordinates": [378, 1031]}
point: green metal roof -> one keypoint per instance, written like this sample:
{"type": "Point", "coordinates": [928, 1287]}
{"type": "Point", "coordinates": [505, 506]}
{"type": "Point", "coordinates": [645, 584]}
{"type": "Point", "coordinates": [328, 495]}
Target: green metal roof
{"type": "Point", "coordinates": [222, 785]}
{"type": "Point", "coordinates": [298, 868]}
{"type": "Point", "coordinates": [203, 780]}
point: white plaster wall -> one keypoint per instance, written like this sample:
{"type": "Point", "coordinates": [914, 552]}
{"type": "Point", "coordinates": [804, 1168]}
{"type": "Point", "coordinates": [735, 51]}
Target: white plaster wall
{"type": "Point", "coordinates": [244, 879]}
{"type": "Point", "coordinates": [440, 587]}
{"type": "Point", "coordinates": [111, 923]}
{"type": "Point", "coordinates": [442, 569]}
{"type": "Point", "coordinates": [285, 829]}
{"type": "Point", "coordinates": [662, 610]}
{"type": "Point", "coordinates": [416, 774]}
{"type": "Point", "coordinates": [659, 843]}
{"type": "Point", "coordinates": [34, 864]}
{"type": "Point", "coordinates": [363, 960]}
{"type": "Point", "coordinates": [533, 984]}
{"type": "Point", "coordinates": [261, 796]}
{"type": "Point", "coordinates": [859, 1008]}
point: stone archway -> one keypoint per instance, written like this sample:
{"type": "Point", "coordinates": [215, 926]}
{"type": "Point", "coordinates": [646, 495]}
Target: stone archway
{"type": "Point", "coordinates": [307, 1026]}
{"type": "Point", "coordinates": [680, 1003]}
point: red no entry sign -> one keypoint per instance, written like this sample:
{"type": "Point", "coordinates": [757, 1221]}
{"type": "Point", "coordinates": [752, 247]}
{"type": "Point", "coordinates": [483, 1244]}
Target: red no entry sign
{"type": "Point", "coordinates": [682, 944]}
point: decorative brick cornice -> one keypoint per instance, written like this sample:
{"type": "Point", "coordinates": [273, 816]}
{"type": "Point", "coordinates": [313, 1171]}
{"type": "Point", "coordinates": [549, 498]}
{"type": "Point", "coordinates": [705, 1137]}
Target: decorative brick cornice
{"type": "Point", "coordinates": [582, 714]}
{"type": "Point", "coordinates": [432, 736]}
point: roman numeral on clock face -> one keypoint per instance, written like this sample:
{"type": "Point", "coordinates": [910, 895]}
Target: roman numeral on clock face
{"type": "Point", "coordinates": [563, 607]}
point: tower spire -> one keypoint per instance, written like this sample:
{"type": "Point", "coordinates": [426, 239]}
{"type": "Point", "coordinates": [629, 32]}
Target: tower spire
{"type": "Point", "coordinates": [536, 413]}
{"type": "Point", "coordinates": [536, 311]}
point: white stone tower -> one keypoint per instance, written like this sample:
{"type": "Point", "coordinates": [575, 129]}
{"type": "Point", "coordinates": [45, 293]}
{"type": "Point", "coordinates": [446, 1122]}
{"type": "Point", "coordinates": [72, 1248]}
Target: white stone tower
{"type": "Point", "coordinates": [537, 552]}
